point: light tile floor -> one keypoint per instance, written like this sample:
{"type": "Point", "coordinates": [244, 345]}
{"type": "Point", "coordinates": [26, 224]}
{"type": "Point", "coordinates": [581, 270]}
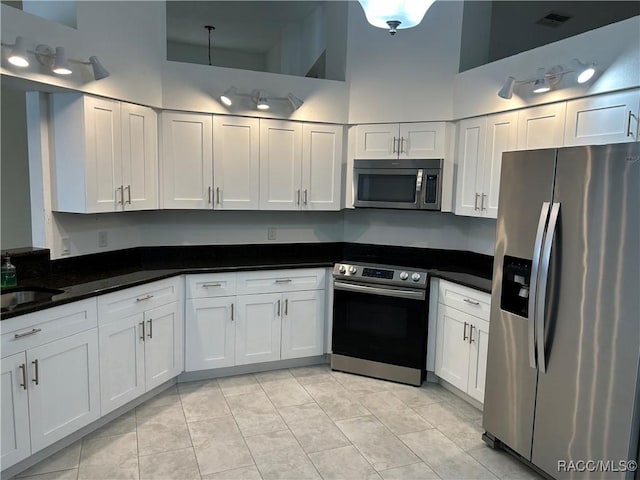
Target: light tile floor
{"type": "Point", "coordinates": [299, 423]}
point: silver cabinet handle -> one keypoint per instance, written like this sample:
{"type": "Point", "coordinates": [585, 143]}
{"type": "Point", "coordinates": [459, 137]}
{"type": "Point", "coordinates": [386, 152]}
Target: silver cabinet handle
{"type": "Point", "coordinates": [298, 196]}
{"type": "Point", "coordinates": [121, 189]}
{"type": "Point", "coordinates": [23, 367]}
{"type": "Point", "coordinates": [232, 312]}
{"type": "Point", "coordinates": [305, 196]}
{"type": "Point", "coordinates": [468, 300]}
{"type": "Point", "coordinates": [35, 380]}
{"type": "Point", "coordinates": [142, 325]}
{"type": "Point", "coordinates": [542, 288]}
{"type": "Point", "coordinates": [209, 193]}
{"type": "Point", "coordinates": [471, 340]}
{"type": "Point", "coordinates": [218, 195]}
{"type": "Point", "coordinates": [533, 287]}
{"type": "Point", "coordinates": [629, 132]}
{"type": "Point", "coordinates": [142, 299]}
{"type": "Point", "coordinates": [26, 334]}
{"type": "Point", "coordinates": [278, 307]}
{"type": "Point", "coordinates": [402, 141]}
{"type": "Point", "coordinates": [208, 285]}
{"type": "Point", "coordinates": [482, 201]}
{"type": "Point", "coordinates": [150, 321]}
{"type": "Point", "coordinates": [393, 147]}
{"type": "Point", "coordinates": [475, 204]}
{"type": "Point", "coordinates": [284, 280]}
{"type": "Point", "coordinates": [286, 306]}
{"type": "Point", "coordinates": [128, 195]}
{"type": "Point", "coordinates": [464, 332]}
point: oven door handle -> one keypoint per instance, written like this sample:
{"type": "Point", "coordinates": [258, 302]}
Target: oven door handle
{"type": "Point", "coordinates": [384, 291]}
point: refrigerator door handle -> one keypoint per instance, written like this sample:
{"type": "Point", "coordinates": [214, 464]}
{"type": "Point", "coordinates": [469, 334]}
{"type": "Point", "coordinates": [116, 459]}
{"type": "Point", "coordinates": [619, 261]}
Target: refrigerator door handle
{"type": "Point", "coordinates": [533, 287]}
{"type": "Point", "coordinates": [542, 293]}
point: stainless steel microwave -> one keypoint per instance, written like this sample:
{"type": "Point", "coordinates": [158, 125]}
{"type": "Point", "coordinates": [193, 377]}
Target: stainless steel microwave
{"type": "Point", "coordinates": [405, 184]}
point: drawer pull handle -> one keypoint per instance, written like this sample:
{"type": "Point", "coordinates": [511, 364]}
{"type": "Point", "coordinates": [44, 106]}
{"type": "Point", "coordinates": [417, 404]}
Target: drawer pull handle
{"type": "Point", "coordinates": [142, 299]}
{"type": "Point", "coordinates": [471, 302]}
{"type": "Point", "coordinates": [23, 367]}
{"type": "Point", "coordinates": [208, 285]}
{"type": "Point", "coordinates": [283, 280]}
{"type": "Point", "coordinates": [150, 328]}
{"type": "Point", "coordinates": [464, 332]}
{"type": "Point", "coordinates": [26, 334]}
{"type": "Point", "coordinates": [35, 380]}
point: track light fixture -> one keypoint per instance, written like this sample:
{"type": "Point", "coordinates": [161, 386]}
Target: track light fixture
{"type": "Point", "coordinates": [55, 59]}
{"type": "Point", "coordinates": [260, 99]}
{"type": "Point", "coordinates": [546, 79]}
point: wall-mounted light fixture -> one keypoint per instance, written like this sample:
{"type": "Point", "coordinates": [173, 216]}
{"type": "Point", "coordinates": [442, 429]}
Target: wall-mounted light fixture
{"type": "Point", "coordinates": [261, 100]}
{"type": "Point", "coordinates": [395, 14]}
{"type": "Point", "coordinates": [56, 59]}
{"type": "Point", "coordinates": [545, 80]}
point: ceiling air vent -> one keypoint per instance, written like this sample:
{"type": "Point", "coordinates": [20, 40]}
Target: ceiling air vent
{"type": "Point", "coordinates": [553, 19]}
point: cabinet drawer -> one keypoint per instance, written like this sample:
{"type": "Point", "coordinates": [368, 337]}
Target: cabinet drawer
{"type": "Point", "coordinates": [38, 328]}
{"type": "Point", "coordinates": [117, 305]}
{"type": "Point", "coordinates": [270, 281]}
{"type": "Point", "coordinates": [465, 299]}
{"type": "Point", "coordinates": [207, 285]}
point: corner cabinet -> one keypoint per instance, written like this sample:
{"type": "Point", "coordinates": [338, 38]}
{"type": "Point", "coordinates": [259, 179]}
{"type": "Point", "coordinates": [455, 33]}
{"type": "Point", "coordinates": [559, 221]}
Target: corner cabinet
{"type": "Point", "coordinates": [462, 337]}
{"type": "Point", "coordinates": [403, 140]}
{"type": "Point", "coordinates": [481, 143]}
{"type": "Point", "coordinates": [50, 377]}
{"type": "Point", "coordinates": [105, 155]}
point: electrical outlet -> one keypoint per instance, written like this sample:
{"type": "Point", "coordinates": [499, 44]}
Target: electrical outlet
{"type": "Point", "coordinates": [65, 246]}
{"type": "Point", "coordinates": [102, 239]}
{"type": "Point", "coordinates": [271, 233]}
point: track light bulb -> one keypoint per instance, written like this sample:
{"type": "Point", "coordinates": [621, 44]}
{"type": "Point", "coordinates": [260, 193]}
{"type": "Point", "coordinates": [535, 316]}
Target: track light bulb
{"type": "Point", "coordinates": [18, 55]}
{"type": "Point", "coordinates": [227, 97]}
{"type": "Point", "coordinates": [60, 65]}
{"type": "Point", "coordinates": [584, 72]}
{"type": "Point", "coordinates": [262, 103]}
{"type": "Point", "coordinates": [541, 85]}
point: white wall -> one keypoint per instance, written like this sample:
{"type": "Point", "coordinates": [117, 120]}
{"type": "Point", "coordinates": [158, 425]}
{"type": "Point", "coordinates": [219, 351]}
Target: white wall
{"type": "Point", "coordinates": [614, 48]}
{"type": "Point", "coordinates": [183, 52]}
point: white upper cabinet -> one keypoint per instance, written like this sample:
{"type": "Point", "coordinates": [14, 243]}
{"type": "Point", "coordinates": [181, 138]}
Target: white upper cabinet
{"type": "Point", "coordinates": [187, 160]}
{"type": "Point", "coordinates": [404, 140]}
{"type": "Point", "coordinates": [280, 165]}
{"type": "Point", "coordinates": [481, 143]}
{"type": "Point", "coordinates": [541, 127]}
{"type": "Point", "coordinates": [610, 118]}
{"type": "Point", "coordinates": [236, 163]}
{"type": "Point", "coordinates": [105, 155]}
{"type": "Point", "coordinates": [321, 166]}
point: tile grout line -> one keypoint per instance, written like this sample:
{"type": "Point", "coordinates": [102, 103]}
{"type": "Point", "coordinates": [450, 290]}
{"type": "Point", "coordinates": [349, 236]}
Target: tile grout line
{"type": "Point", "coordinates": [193, 448]}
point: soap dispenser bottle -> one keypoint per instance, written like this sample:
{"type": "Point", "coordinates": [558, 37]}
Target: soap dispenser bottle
{"type": "Point", "coordinates": [8, 276]}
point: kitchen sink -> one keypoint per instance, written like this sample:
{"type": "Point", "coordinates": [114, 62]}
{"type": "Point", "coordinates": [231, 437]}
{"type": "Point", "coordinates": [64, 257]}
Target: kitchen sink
{"type": "Point", "coordinates": [17, 296]}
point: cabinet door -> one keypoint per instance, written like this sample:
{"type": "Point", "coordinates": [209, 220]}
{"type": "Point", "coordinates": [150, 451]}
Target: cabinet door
{"type": "Point", "coordinates": [541, 127]}
{"type": "Point", "coordinates": [280, 165]}
{"type": "Point", "coordinates": [377, 141]}
{"type": "Point", "coordinates": [258, 328]}
{"type": "Point", "coordinates": [501, 137]}
{"type": "Point", "coordinates": [187, 160]}
{"type": "Point", "coordinates": [210, 333]}
{"type": "Point", "coordinates": [65, 387]}
{"type": "Point", "coordinates": [303, 324]}
{"type": "Point", "coordinates": [611, 118]}
{"type": "Point", "coordinates": [15, 410]}
{"type": "Point", "coordinates": [163, 345]}
{"type": "Point", "coordinates": [236, 163]}
{"type": "Point", "coordinates": [321, 166]}
{"type": "Point", "coordinates": [139, 157]}
{"type": "Point", "coordinates": [103, 157]}
{"type": "Point", "coordinates": [121, 362]}
{"type": "Point", "coordinates": [452, 346]}
{"type": "Point", "coordinates": [470, 159]}
{"type": "Point", "coordinates": [478, 342]}
{"type": "Point", "coordinates": [422, 140]}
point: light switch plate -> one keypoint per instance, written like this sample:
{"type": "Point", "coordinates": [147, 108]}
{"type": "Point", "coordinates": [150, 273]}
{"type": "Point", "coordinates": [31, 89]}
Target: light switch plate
{"type": "Point", "coordinates": [65, 246]}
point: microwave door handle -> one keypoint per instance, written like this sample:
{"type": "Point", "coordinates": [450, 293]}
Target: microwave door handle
{"type": "Point", "coordinates": [419, 178]}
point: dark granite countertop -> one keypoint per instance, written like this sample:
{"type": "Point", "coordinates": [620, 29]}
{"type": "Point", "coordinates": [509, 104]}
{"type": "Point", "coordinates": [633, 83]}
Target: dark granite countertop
{"type": "Point", "coordinates": [91, 275]}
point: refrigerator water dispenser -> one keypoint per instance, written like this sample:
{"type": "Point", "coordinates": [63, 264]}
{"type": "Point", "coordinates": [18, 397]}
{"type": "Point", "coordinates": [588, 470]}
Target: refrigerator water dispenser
{"type": "Point", "coordinates": [516, 276]}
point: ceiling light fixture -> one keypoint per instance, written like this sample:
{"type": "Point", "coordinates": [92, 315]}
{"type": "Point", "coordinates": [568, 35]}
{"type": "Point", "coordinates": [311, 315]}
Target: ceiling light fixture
{"type": "Point", "coordinates": [545, 80]}
{"type": "Point", "coordinates": [260, 99]}
{"type": "Point", "coordinates": [262, 103]}
{"type": "Point", "coordinates": [99, 72]}
{"type": "Point", "coordinates": [60, 64]}
{"type": "Point", "coordinates": [395, 14]}
{"type": "Point", "coordinates": [227, 97]}
{"type": "Point", "coordinates": [295, 102]}
{"type": "Point", "coordinates": [18, 55]}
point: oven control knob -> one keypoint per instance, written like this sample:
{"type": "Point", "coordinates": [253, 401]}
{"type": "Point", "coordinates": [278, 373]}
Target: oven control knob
{"type": "Point", "coordinates": [352, 269]}
{"type": "Point", "coordinates": [415, 277]}
{"type": "Point", "coordinates": [342, 269]}
{"type": "Point", "coordinates": [404, 275]}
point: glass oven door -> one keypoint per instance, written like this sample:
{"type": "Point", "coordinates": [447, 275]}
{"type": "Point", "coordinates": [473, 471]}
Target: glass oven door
{"type": "Point", "coordinates": [380, 324]}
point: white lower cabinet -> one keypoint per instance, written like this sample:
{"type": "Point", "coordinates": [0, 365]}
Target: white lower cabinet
{"type": "Point", "coordinates": [163, 344]}
{"type": "Point", "coordinates": [50, 377]}
{"type": "Point", "coordinates": [210, 333]}
{"type": "Point", "coordinates": [462, 338]}
{"type": "Point", "coordinates": [303, 324]}
{"type": "Point", "coordinates": [258, 328]}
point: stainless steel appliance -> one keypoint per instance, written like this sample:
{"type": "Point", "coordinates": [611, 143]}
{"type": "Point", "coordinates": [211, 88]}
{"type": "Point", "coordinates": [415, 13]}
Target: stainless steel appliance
{"type": "Point", "coordinates": [562, 388]}
{"type": "Point", "coordinates": [379, 321]}
{"type": "Point", "coordinates": [405, 184]}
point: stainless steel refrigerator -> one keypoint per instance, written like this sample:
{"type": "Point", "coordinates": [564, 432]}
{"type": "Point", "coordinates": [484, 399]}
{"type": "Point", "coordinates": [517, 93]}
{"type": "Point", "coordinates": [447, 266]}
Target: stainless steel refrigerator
{"type": "Point", "coordinates": [562, 388]}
